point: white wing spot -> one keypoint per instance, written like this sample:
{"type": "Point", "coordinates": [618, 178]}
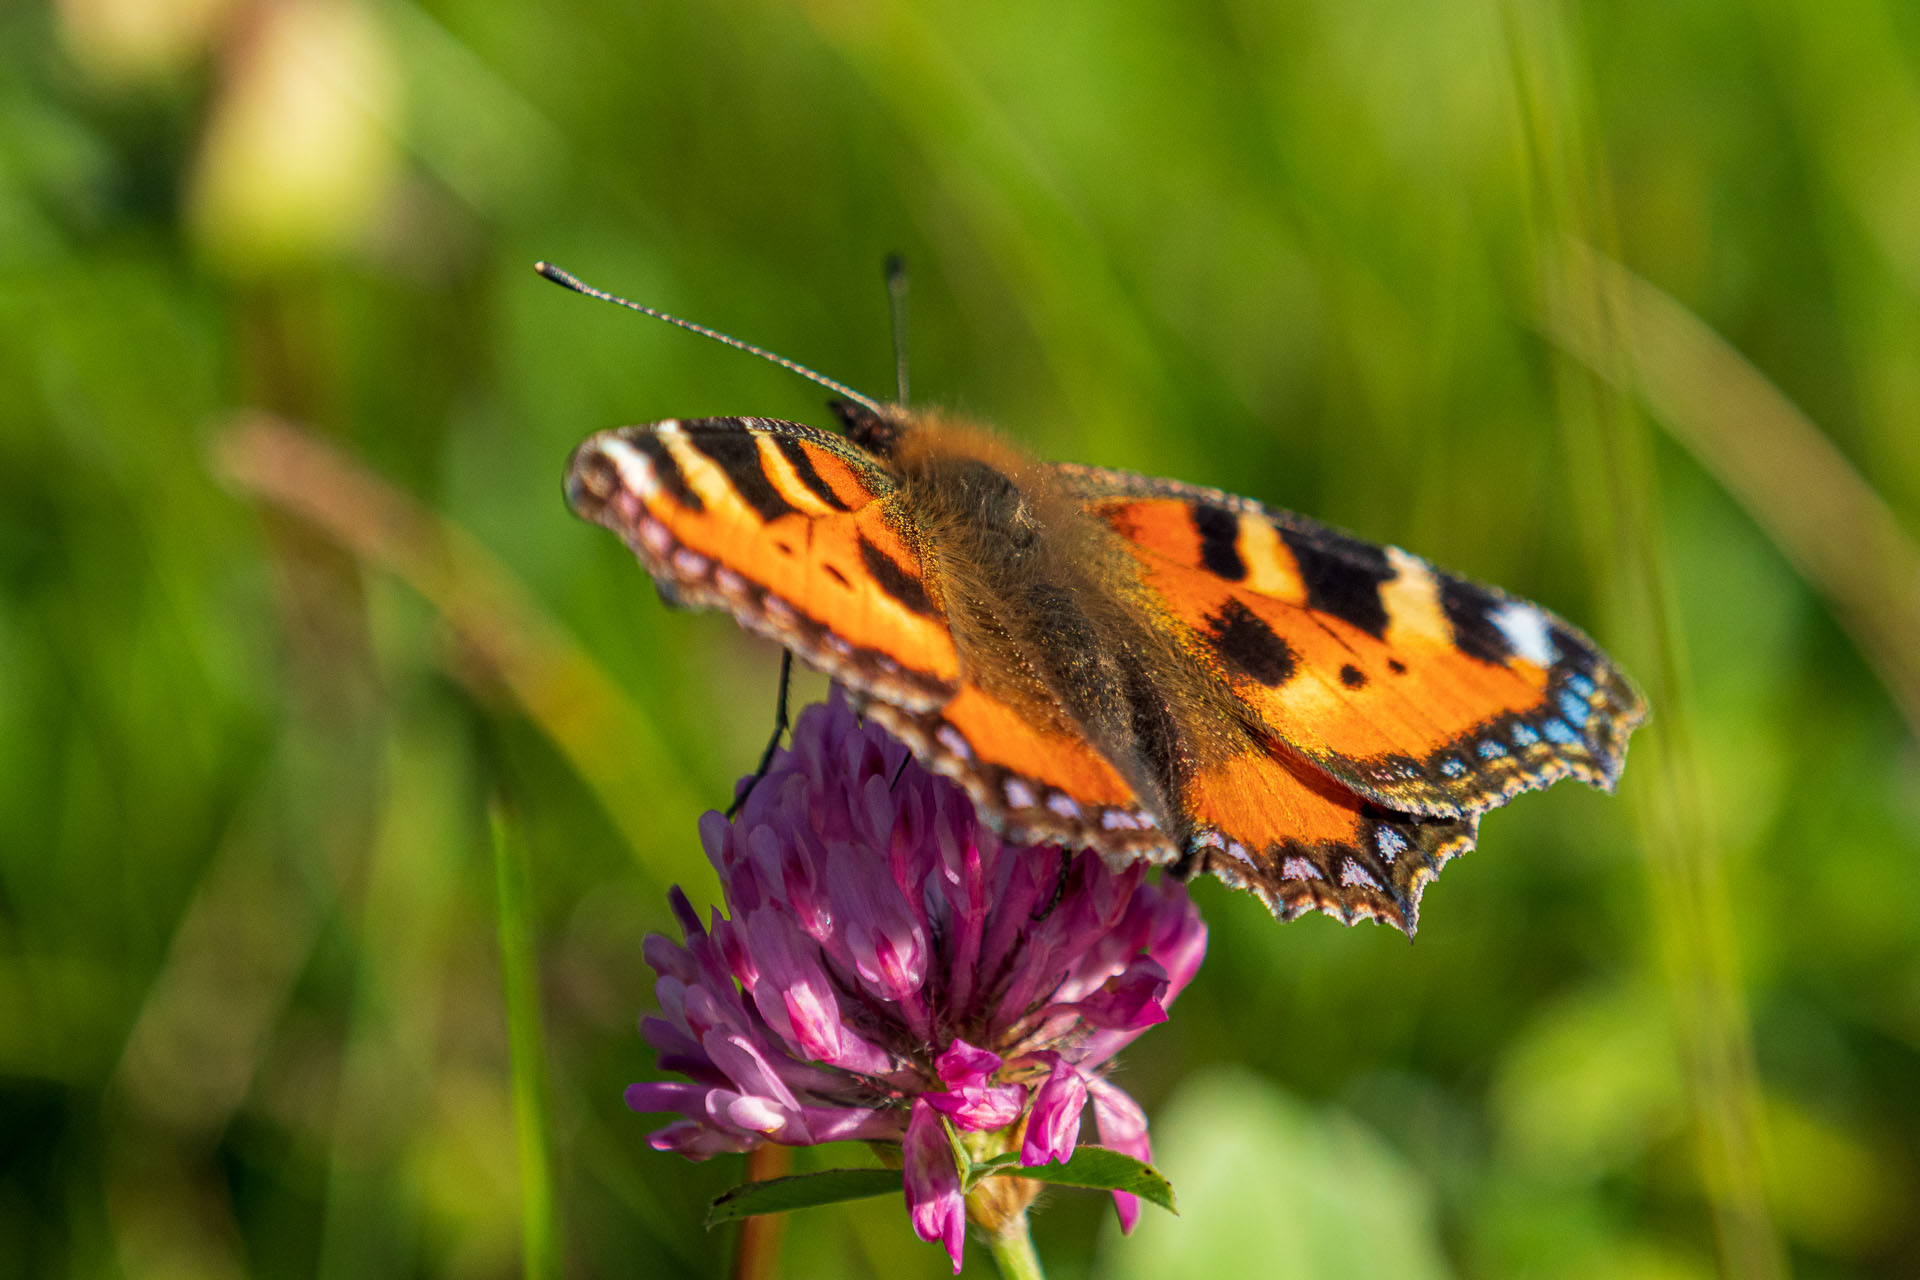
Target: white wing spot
{"type": "Point", "coordinates": [1389, 842]}
{"type": "Point", "coordinates": [1019, 794]}
{"type": "Point", "coordinates": [635, 468]}
{"type": "Point", "coordinates": [1352, 873]}
{"type": "Point", "coordinates": [1525, 628]}
{"type": "Point", "coordinates": [950, 739]}
{"type": "Point", "coordinates": [1298, 868]}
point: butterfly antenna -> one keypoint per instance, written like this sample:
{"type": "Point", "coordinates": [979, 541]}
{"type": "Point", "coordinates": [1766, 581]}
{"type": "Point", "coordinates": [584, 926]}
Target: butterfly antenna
{"type": "Point", "coordinates": [568, 280]}
{"type": "Point", "coordinates": [896, 268]}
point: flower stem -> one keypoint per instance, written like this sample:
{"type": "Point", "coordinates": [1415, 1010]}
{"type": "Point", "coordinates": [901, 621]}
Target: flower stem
{"type": "Point", "coordinates": [1013, 1250]}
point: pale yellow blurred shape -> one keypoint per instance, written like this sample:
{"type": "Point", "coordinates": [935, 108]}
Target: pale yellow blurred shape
{"type": "Point", "coordinates": [1590, 1084]}
{"type": "Point", "coordinates": [1274, 1187]}
{"type": "Point", "coordinates": [1830, 1189]}
{"type": "Point", "coordinates": [301, 149]}
{"type": "Point", "coordinates": [133, 41]}
{"type": "Point", "coordinates": [1632, 1259]}
{"type": "Point", "coordinates": [462, 1160]}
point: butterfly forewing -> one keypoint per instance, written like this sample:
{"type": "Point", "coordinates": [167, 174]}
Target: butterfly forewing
{"type": "Point", "coordinates": [795, 532]}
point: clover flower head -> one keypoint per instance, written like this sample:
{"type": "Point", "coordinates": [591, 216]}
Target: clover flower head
{"type": "Point", "coordinates": [891, 970]}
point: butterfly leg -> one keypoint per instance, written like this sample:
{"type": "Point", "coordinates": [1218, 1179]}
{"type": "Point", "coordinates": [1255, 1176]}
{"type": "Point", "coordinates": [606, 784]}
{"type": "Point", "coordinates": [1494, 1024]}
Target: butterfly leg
{"type": "Point", "coordinates": [1187, 864]}
{"type": "Point", "coordinates": [779, 731]}
{"type": "Point", "coordinates": [1059, 888]}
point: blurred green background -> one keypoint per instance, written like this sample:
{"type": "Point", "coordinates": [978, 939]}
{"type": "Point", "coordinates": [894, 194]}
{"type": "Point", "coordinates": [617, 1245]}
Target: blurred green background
{"type": "Point", "coordinates": [288, 592]}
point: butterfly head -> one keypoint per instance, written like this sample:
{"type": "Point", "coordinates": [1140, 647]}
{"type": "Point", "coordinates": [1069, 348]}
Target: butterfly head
{"type": "Point", "coordinates": [876, 428]}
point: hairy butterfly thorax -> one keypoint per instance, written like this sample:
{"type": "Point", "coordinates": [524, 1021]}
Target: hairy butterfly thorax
{"type": "Point", "coordinates": [1147, 668]}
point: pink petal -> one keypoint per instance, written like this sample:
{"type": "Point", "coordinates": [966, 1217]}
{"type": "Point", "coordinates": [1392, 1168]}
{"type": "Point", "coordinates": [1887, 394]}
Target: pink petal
{"type": "Point", "coordinates": [980, 1108]}
{"type": "Point", "coordinates": [888, 950]}
{"type": "Point", "coordinates": [668, 958]}
{"type": "Point", "coordinates": [750, 1070]}
{"type": "Point", "coordinates": [1123, 1126]}
{"type": "Point", "coordinates": [668, 1095]}
{"type": "Point", "coordinates": [697, 1141]}
{"type": "Point", "coordinates": [933, 1183]}
{"type": "Point", "coordinates": [1131, 1000]}
{"type": "Point", "coordinates": [962, 1066]}
{"type": "Point", "coordinates": [793, 993]}
{"type": "Point", "coordinates": [1181, 946]}
{"type": "Point", "coordinates": [757, 1114]}
{"type": "Point", "coordinates": [1053, 1126]}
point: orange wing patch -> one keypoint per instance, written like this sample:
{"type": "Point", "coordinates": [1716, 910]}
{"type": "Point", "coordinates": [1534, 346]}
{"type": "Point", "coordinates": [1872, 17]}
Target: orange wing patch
{"type": "Point", "coordinates": [1036, 779]}
{"type": "Point", "coordinates": [1418, 690]}
{"type": "Point", "coordinates": [1302, 842]}
{"type": "Point", "coordinates": [787, 528]}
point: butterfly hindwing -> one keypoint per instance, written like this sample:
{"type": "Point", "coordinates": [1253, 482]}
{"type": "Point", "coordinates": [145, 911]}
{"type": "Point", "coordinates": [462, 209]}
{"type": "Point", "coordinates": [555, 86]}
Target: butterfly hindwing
{"type": "Point", "coordinates": [1033, 776]}
{"type": "Point", "coordinates": [795, 532]}
{"type": "Point", "coordinates": [1420, 691]}
{"type": "Point", "coordinates": [1300, 841]}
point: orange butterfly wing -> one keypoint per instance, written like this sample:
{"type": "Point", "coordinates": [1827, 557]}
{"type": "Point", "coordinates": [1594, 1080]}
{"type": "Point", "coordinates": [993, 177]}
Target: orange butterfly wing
{"type": "Point", "coordinates": [1035, 779]}
{"type": "Point", "coordinates": [1300, 841]}
{"type": "Point", "coordinates": [795, 532]}
{"type": "Point", "coordinates": [1388, 703]}
{"type": "Point", "coordinates": [1420, 691]}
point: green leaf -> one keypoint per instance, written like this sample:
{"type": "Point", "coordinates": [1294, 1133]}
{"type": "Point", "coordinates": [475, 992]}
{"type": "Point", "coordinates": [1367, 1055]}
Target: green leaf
{"type": "Point", "coordinates": [802, 1191]}
{"type": "Point", "coordinates": [1096, 1167]}
{"type": "Point", "coordinates": [981, 1168]}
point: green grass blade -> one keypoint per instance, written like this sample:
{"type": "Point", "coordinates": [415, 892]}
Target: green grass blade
{"type": "Point", "coordinates": [539, 1234]}
{"type": "Point", "coordinates": [1823, 515]}
{"type": "Point", "coordinates": [1624, 533]}
{"type": "Point", "coordinates": [802, 1191]}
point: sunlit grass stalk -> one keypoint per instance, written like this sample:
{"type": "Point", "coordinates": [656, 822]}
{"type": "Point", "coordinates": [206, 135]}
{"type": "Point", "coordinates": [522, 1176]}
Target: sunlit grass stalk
{"type": "Point", "coordinates": [609, 742]}
{"type": "Point", "coordinates": [1013, 1251]}
{"type": "Point", "coordinates": [756, 1253]}
{"type": "Point", "coordinates": [1615, 494]}
{"type": "Point", "coordinates": [1822, 514]}
{"type": "Point", "coordinates": [539, 1234]}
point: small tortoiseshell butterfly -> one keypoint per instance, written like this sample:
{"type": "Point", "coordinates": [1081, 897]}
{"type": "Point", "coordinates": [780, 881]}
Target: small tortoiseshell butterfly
{"type": "Point", "coordinates": [1147, 668]}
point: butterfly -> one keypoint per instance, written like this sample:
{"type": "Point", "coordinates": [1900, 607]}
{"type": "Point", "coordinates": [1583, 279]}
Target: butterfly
{"type": "Point", "coordinates": [1104, 660]}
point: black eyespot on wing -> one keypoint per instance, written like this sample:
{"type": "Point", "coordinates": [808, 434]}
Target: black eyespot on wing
{"type": "Point", "coordinates": [1469, 608]}
{"type": "Point", "coordinates": [904, 587]}
{"type": "Point", "coordinates": [1219, 531]}
{"type": "Point", "coordinates": [1342, 576]}
{"type": "Point", "coordinates": [796, 455]}
{"type": "Point", "coordinates": [737, 454]}
{"type": "Point", "coordinates": [1353, 677]}
{"type": "Point", "coordinates": [666, 469]}
{"type": "Point", "coordinates": [1248, 645]}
